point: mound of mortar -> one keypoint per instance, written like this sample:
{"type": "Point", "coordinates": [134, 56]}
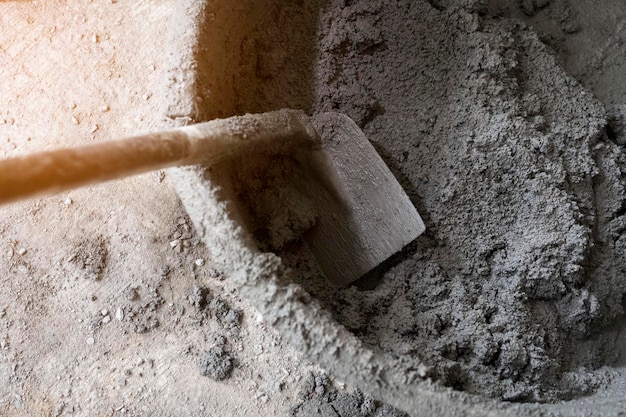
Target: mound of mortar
{"type": "Point", "coordinates": [508, 160]}
{"type": "Point", "coordinates": [514, 291]}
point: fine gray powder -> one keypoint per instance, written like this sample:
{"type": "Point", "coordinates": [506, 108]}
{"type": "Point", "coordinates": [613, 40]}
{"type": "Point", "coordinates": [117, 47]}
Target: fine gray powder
{"type": "Point", "coordinates": [512, 290]}
{"type": "Point", "coordinates": [515, 290]}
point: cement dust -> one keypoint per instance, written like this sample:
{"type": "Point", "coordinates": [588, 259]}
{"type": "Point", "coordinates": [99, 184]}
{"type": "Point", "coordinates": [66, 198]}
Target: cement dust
{"type": "Point", "coordinates": [514, 289]}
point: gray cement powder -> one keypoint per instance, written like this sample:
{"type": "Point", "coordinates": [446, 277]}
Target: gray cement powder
{"type": "Point", "coordinates": [515, 291]}
{"type": "Point", "coordinates": [512, 291]}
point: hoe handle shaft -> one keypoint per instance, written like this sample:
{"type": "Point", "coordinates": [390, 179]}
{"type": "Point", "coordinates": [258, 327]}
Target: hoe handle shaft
{"type": "Point", "coordinates": [206, 143]}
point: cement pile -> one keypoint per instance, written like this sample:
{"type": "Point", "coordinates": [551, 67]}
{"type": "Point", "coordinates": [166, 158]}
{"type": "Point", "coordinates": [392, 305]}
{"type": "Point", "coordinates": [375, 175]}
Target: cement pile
{"type": "Point", "coordinates": [512, 291]}
{"type": "Point", "coordinates": [515, 291]}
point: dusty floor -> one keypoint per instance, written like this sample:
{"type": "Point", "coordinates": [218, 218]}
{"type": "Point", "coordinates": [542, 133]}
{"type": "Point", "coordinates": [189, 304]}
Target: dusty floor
{"type": "Point", "coordinates": [109, 304]}
{"type": "Point", "coordinates": [95, 311]}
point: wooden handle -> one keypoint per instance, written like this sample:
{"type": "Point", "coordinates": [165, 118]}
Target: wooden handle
{"type": "Point", "coordinates": [54, 171]}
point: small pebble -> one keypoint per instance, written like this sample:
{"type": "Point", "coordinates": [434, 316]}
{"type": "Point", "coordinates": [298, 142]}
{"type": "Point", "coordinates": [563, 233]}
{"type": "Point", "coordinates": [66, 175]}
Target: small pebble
{"type": "Point", "coordinates": [119, 314]}
{"type": "Point", "coordinates": [93, 129]}
{"type": "Point", "coordinates": [199, 262]}
{"type": "Point", "coordinates": [75, 120]}
{"type": "Point", "coordinates": [104, 108]}
{"type": "Point", "coordinates": [22, 251]}
{"type": "Point", "coordinates": [104, 312]}
{"type": "Point", "coordinates": [90, 341]}
{"type": "Point", "coordinates": [67, 201]}
{"type": "Point", "coordinates": [106, 319]}
{"type": "Point", "coordinates": [174, 243]}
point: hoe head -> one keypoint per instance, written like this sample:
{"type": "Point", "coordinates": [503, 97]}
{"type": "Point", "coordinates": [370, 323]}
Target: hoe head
{"type": "Point", "coordinates": [367, 217]}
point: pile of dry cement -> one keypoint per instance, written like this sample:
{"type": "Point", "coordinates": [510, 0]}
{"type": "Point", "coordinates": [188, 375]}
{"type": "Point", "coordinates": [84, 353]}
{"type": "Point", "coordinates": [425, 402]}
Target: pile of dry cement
{"type": "Point", "coordinates": [512, 291]}
{"type": "Point", "coordinates": [515, 291]}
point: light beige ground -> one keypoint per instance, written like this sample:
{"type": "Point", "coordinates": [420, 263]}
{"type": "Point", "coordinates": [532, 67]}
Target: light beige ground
{"type": "Point", "coordinates": [77, 72]}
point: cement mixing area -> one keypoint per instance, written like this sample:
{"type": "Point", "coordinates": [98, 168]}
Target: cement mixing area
{"type": "Point", "coordinates": [366, 208]}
